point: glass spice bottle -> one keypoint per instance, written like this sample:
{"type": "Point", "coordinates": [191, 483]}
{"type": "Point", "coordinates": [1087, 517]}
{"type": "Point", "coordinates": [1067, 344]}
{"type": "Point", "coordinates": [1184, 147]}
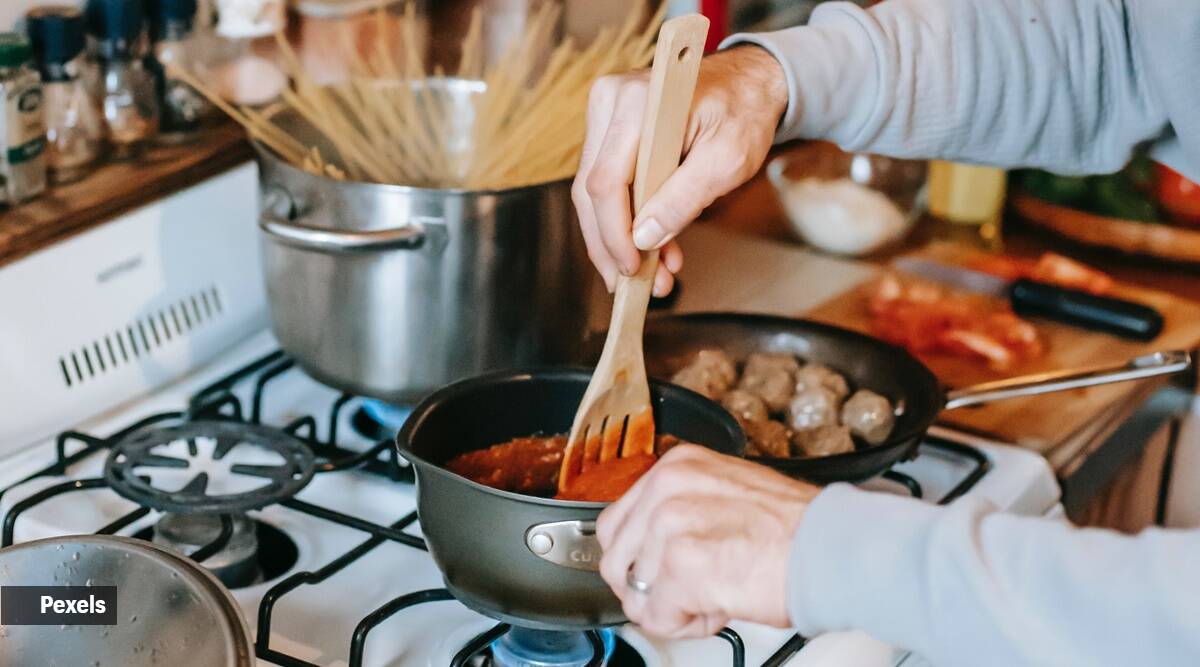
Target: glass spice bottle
{"type": "Point", "coordinates": [74, 123]}
{"type": "Point", "coordinates": [22, 129]}
{"type": "Point", "coordinates": [181, 110]}
{"type": "Point", "coordinates": [127, 89]}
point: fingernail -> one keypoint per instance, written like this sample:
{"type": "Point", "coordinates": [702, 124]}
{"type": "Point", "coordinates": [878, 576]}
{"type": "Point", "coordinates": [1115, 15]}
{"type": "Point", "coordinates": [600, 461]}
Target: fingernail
{"type": "Point", "coordinates": [648, 234]}
{"type": "Point", "coordinates": [629, 269]}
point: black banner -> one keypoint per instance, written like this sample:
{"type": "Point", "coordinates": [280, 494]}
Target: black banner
{"type": "Point", "coordinates": [58, 605]}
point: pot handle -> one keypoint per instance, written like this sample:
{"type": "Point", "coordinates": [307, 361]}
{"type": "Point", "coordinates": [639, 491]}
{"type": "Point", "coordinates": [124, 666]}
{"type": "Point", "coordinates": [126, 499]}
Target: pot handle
{"type": "Point", "coordinates": [286, 231]}
{"type": "Point", "coordinates": [1150, 365]}
{"type": "Point", "coordinates": [570, 544]}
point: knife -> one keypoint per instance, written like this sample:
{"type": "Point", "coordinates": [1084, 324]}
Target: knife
{"type": "Point", "coordinates": [1126, 319]}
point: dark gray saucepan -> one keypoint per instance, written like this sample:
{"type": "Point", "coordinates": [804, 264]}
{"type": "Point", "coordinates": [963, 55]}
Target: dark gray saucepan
{"type": "Point", "coordinates": [521, 559]}
{"type": "Point", "coordinates": [671, 341]}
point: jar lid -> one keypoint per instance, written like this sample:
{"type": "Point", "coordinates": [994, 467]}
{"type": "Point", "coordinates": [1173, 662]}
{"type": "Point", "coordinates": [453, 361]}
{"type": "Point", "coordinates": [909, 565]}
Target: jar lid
{"type": "Point", "coordinates": [118, 22]}
{"type": "Point", "coordinates": [55, 33]}
{"type": "Point", "coordinates": [241, 19]}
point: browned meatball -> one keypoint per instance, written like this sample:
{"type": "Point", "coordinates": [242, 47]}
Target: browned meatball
{"type": "Point", "coordinates": [765, 362]}
{"type": "Point", "coordinates": [869, 416]}
{"type": "Point", "coordinates": [814, 375]}
{"type": "Point", "coordinates": [766, 438]}
{"type": "Point", "coordinates": [744, 405]}
{"type": "Point", "coordinates": [824, 440]}
{"type": "Point", "coordinates": [812, 408]}
{"type": "Point", "coordinates": [711, 374]}
{"type": "Point", "coordinates": [774, 387]}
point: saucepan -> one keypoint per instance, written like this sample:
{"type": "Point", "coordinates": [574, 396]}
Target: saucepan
{"type": "Point", "coordinates": [521, 559]}
{"type": "Point", "coordinates": [671, 341]}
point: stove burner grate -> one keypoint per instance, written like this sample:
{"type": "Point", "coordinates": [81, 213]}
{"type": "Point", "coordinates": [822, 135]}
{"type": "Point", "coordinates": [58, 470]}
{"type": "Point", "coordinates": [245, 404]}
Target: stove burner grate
{"type": "Point", "coordinates": [136, 453]}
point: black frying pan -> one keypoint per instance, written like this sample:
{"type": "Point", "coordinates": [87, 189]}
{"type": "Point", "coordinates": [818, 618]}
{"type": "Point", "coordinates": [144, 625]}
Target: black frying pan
{"type": "Point", "coordinates": [672, 341]}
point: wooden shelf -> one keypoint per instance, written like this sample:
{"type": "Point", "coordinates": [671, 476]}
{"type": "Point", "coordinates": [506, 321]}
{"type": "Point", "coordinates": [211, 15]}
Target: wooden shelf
{"type": "Point", "coordinates": [115, 188]}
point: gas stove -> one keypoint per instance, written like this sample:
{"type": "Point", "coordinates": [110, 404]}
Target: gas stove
{"type": "Point", "coordinates": [338, 573]}
{"type": "Point", "coordinates": [308, 512]}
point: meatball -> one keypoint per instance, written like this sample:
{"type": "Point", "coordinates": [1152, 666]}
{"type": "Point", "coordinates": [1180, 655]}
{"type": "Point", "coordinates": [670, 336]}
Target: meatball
{"type": "Point", "coordinates": [765, 362]}
{"type": "Point", "coordinates": [824, 440]}
{"type": "Point", "coordinates": [812, 408]}
{"type": "Point", "coordinates": [744, 405]}
{"type": "Point", "coordinates": [711, 374]}
{"type": "Point", "coordinates": [774, 387]}
{"type": "Point", "coordinates": [869, 416]}
{"type": "Point", "coordinates": [766, 438]}
{"type": "Point", "coordinates": [815, 375]}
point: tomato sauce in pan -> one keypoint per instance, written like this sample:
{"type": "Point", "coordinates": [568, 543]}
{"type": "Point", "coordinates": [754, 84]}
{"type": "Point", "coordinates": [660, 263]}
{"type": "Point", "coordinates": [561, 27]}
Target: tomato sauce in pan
{"type": "Point", "coordinates": [531, 466]}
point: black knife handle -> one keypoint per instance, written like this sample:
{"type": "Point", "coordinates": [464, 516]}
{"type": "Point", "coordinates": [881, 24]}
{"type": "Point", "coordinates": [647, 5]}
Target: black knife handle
{"type": "Point", "coordinates": [1088, 311]}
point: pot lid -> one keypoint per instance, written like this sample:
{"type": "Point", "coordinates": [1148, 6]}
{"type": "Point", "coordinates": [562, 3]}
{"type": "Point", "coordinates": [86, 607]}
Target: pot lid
{"type": "Point", "coordinates": [169, 610]}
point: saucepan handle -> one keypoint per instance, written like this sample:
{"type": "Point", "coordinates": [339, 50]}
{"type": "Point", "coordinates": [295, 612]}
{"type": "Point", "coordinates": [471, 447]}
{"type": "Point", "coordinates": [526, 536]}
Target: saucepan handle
{"type": "Point", "coordinates": [287, 231]}
{"type": "Point", "coordinates": [570, 544]}
{"type": "Point", "coordinates": [1150, 365]}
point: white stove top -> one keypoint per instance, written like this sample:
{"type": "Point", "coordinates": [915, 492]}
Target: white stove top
{"type": "Point", "coordinates": [315, 622]}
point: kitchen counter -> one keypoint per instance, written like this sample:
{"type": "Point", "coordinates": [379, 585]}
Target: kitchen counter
{"type": "Point", "coordinates": [118, 187]}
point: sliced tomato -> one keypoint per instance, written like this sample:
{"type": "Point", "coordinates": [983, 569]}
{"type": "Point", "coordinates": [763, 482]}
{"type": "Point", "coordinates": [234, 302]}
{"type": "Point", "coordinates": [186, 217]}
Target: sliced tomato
{"type": "Point", "coordinates": [1051, 268]}
{"type": "Point", "coordinates": [926, 318]}
{"type": "Point", "coordinates": [1063, 271]}
{"type": "Point", "coordinates": [1177, 195]}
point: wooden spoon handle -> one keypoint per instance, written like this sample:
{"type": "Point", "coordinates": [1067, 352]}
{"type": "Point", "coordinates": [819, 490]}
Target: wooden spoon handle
{"type": "Point", "coordinates": [672, 83]}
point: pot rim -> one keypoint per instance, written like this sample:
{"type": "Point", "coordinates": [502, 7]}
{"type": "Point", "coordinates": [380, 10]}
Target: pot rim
{"type": "Point", "coordinates": [431, 402]}
{"type": "Point", "coordinates": [266, 154]}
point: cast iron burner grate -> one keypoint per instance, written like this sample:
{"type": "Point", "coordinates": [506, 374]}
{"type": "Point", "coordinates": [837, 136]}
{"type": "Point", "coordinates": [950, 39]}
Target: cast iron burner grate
{"type": "Point", "coordinates": [219, 402]}
{"type": "Point", "coordinates": [142, 451]}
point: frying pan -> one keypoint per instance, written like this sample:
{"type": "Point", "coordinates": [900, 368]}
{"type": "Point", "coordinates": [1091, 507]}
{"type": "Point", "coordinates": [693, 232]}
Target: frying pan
{"type": "Point", "coordinates": [671, 341]}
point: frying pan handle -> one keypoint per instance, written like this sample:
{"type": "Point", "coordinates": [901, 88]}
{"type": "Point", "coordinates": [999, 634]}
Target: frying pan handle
{"type": "Point", "coordinates": [570, 544]}
{"type": "Point", "coordinates": [1150, 365]}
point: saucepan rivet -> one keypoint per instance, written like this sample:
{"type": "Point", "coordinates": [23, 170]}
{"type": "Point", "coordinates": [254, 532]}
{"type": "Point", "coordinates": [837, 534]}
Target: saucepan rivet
{"type": "Point", "coordinates": [541, 543]}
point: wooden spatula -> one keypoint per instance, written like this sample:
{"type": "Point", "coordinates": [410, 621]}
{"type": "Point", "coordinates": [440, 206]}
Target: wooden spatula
{"type": "Point", "coordinates": [615, 417]}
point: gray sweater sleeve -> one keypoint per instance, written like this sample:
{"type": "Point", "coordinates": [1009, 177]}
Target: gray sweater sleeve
{"type": "Point", "coordinates": [967, 585]}
{"type": "Point", "coordinates": [1067, 85]}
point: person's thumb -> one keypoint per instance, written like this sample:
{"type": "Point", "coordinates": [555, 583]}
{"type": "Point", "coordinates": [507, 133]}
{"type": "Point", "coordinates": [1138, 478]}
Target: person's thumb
{"type": "Point", "coordinates": [688, 191]}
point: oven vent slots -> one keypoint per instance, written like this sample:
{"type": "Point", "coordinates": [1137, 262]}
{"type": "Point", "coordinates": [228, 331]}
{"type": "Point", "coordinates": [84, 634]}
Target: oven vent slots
{"type": "Point", "coordinates": [141, 337]}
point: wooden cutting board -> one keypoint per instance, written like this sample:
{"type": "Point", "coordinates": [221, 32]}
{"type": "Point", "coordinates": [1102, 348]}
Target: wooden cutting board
{"type": "Point", "coordinates": [1041, 422]}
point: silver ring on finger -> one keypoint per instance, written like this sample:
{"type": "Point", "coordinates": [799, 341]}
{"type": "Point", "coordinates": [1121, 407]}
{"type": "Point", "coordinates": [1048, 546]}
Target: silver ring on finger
{"type": "Point", "coordinates": [636, 584]}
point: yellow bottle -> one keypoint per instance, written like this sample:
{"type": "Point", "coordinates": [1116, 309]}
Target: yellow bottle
{"type": "Point", "coordinates": [966, 194]}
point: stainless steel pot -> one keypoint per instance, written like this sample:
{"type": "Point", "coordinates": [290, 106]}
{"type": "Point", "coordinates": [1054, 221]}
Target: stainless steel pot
{"type": "Point", "coordinates": [525, 560]}
{"type": "Point", "coordinates": [393, 291]}
{"type": "Point", "coordinates": [169, 610]}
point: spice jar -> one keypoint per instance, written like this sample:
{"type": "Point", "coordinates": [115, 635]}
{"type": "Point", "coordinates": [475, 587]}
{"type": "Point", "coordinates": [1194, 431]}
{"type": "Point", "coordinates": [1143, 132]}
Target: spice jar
{"type": "Point", "coordinates": [22, 130]}
{"type": "Point", "coordinates": [127, 89]}
{"type": "Point", "coordinates": [245, 72]}
{"type": "Point", "coordinates": [181, 110]}
{"type": "Point", "coordinates": [74, 124]}
{"type": "Point", "coordinates": [334, 34]}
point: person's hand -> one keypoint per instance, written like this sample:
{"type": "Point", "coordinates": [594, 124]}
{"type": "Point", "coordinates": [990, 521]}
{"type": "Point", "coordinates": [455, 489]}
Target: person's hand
{"type": "Point", "coordinates": [740, 96]}
{"type": "Point", "coordinates": [710, 534]}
